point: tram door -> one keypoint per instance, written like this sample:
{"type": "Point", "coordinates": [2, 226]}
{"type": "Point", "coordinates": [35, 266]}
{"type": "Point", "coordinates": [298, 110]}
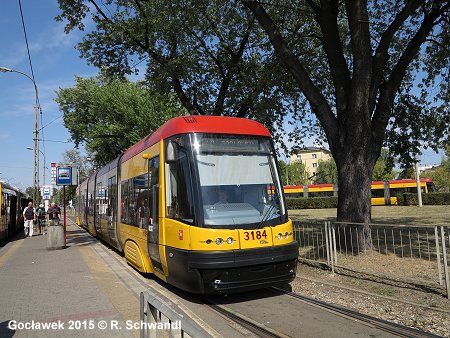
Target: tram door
{"type": "Point", "coordinates": [153, 223]}
{"type": "Point", "coordinates": [13, 216]}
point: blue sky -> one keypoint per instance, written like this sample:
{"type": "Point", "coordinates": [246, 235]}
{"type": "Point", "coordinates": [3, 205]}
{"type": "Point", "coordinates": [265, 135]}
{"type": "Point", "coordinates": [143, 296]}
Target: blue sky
{"type": "Point", "coordinates": [56, 62]}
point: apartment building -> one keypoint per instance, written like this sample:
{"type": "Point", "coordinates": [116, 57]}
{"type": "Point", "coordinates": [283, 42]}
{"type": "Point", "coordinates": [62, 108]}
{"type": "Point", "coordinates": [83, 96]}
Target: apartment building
{"type": "Point", "coordinates": [310, 157]}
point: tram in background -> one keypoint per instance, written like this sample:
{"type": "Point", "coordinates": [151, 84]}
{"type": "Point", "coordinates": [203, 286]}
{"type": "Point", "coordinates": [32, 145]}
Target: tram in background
{"type": "Point", "coordinates": [199, 203]}
{"type": "Point", "coordinates": [12, 202]}
{"type": "Point", "coordinates": [383, 192]}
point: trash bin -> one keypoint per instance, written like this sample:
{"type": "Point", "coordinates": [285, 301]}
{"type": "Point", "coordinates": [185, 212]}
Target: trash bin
{"type": "Point", "coordinates": [55, 235]}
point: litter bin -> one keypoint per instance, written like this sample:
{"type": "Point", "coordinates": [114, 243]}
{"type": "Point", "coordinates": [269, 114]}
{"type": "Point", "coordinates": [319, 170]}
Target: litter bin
{"type": "Point", "coordinates": [55, 235]}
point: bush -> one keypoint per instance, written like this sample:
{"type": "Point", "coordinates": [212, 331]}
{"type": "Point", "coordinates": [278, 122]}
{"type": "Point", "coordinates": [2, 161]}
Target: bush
{"type": "Point", "coordinates": [434, 198]}
{"type": "Point", "coordinates": [311, 203]}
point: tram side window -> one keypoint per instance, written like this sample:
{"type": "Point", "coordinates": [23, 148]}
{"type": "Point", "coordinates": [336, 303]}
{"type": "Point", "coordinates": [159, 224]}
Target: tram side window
{"type": "Point", "coordinates": [136, 197]}
{"type": "Point", "coordinates": [179, 190]}
{"type": "Point", "coordinates": [91, 204]}
{"type": "Point", "coordinates": [153, 172]}
{"type": "Point", "coordinates": [377, 193]}
{"type": "Point", "coordinates": [124, 203]}
{"type": "Point", "coordinates": [321, 194]}
{"type": "Point", "coordinates": [102, 196]}
{"type": "Point", "coordinates": [4, 209]}
{"type": "Point", "coordinates": [112, 188]}
{"type": "Point", "coordinates": [431, 187]}
{"type": "Point", "coordinates": [129, 200]}
{"type": "Point", "coordinates": [395, 191]}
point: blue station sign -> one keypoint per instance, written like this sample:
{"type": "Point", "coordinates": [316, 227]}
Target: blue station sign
{"type": "Point", "coordinates": [64, 176]}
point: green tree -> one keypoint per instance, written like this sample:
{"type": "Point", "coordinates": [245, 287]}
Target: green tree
{"type": "Point", "coordinates": [111, 116]}
{"type": "Point", "coordinates": [326, 172]}
{"type": "Point", "coordinates": [407, 173]}
{"type": "Point", "coordinates": [211, 54]}
{"type": "Point", "coordinates": [283, 172]}
{"type": "Point", "coordinates": [384, 167]}
{"type": "Point", "coordinates": [298, 175]}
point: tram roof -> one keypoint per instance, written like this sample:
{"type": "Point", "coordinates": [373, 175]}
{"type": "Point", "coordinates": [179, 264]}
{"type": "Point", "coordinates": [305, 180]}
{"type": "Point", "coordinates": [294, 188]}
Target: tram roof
{"type": "Point", "coordinates": [198, 124]}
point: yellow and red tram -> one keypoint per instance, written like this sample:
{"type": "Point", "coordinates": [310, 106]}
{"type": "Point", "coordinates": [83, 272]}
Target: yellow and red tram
{"type": "Point", "coordinates": [199, 203]}
{"type": "Point", "coordinates": [383, 192]}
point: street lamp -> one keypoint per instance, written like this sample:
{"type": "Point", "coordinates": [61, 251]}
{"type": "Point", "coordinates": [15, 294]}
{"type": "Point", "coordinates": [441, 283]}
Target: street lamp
{"type": "Point", "coordinates": [36, 133]}
{"type": "Point", "coordinates": [45, 162]}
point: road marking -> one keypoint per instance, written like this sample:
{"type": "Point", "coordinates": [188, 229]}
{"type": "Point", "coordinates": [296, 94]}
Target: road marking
{"type": "Point", "coordinates": [10, 251]}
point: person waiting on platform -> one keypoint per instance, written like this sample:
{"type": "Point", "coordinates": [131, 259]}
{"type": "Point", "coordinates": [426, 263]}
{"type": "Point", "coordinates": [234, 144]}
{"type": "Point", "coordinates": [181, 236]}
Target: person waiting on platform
{"type": "Point", "coordinates": [29, 216]}
{"type": "Point", "coordinates": [40, 212]}
{"type": "Point", "coordinates": [53, 214]}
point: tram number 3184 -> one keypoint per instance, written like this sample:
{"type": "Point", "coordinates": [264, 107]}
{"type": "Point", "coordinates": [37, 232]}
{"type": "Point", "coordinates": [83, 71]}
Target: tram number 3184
{"type": "Point", "coordinates": [252, 235]}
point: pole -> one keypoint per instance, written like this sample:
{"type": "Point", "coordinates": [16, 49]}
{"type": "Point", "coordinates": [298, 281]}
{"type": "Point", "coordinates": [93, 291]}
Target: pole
{"type": "Point", "coordinates": [419, 189]}
{"type": "Point", "coordinates": [36, 154]}
{"type": "Point", "coordinates": [36, 134]}
{"type": "Point", "coordinates": [64, 206]}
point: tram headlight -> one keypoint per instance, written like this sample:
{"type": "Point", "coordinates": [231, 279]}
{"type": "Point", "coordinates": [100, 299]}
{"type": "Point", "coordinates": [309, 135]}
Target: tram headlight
{"type": "Point", "coordinates": [230, 240]}
{"type": "Point", "coordinates": [280, 236]}
{"type": "Point", "coordinates": [286, 235]}
{"type": "Point", "coordinates": [219, 241]}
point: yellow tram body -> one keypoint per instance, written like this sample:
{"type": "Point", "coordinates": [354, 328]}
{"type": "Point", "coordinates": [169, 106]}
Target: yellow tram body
{"type": "Point", "coordinates": [154, 203]}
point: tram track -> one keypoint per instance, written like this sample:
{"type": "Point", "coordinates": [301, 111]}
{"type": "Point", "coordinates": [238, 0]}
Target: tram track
{"type": "Point", "coordinates": [390, 327]}
{"type": "Point", "coordinates": [260, 330]}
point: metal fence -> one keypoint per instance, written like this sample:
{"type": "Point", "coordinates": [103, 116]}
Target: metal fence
{"type": "Point", "coordinates": [410, 253]}
{"type": "Point", "coordinates": [163, 319]}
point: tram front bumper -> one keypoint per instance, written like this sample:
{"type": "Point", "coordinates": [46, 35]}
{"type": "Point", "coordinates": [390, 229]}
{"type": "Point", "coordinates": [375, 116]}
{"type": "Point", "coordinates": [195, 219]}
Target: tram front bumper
{"type": "Point", "coordinates": [232, 271]}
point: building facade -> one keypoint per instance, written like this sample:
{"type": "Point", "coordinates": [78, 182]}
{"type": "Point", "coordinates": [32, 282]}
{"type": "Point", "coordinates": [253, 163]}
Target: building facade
{"type": "Point", "coordinates": [310, 157]}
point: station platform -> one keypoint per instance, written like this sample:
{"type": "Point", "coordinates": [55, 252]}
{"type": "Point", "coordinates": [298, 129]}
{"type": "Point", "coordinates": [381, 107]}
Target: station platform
{"type": "Point", "coordinates": [68, 292]}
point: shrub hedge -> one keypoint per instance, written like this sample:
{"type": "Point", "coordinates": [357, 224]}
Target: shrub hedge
{"type": "Point", "coordinates": [311, 203]}
{"type": "Point", "coordinates": [433, 198]}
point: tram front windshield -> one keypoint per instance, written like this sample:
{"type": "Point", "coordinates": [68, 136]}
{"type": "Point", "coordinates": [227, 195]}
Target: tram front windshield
{"type": "Point", "coordinates": [239, 184]}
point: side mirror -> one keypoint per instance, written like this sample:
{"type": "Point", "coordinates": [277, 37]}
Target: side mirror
{"type": "Point", "coordinates": [171, 152]}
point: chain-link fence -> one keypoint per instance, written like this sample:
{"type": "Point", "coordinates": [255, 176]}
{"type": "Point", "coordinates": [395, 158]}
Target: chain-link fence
{"type": "Point", "coordinates": [417, 254]}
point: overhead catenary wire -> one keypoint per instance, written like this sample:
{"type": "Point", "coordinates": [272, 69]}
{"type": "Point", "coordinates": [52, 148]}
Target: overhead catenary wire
{"type": "Point", "coordinates": [34, 81]}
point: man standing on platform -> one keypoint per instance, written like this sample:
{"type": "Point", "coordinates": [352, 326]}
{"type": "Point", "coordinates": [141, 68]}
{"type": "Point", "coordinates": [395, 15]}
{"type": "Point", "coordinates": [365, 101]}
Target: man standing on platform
{"type": "Point", "coordinates": [53, 214]}
{"type": "Point", "coordinates": [29, 215]}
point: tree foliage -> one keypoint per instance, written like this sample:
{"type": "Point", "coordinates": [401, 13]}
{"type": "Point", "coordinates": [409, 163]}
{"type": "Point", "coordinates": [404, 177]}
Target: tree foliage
{"type": "Point", "coordinates": [298, 174]}
{"type": "Point", "coordinates": [111, 116]}
{"type": "Point", "coordinates": [384, 167]}
{"type": "Point", "coordinates": [211, 54]}
{"type": "Point", "coordinates": [294, 173]}
{"type": "Point", "coordinates": [441, 174]}
{"type": "Point", "coordinates": [326, 172]}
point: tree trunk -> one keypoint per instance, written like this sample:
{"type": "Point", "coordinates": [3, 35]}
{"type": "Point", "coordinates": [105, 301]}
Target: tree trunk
{"type": "Point", "coordinates": [354, 205]}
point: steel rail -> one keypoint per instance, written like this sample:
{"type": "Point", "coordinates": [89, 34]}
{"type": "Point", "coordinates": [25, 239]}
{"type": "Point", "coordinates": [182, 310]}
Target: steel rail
{"type": "Point", "coordinates": [394, 328]}
{"type": "Point", "coordinates": [260, 330]}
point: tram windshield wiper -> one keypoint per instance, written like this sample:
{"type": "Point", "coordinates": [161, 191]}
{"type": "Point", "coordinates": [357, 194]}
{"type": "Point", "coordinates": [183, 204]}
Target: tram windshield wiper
{"type": "Point", "coordinates": [267, 213]}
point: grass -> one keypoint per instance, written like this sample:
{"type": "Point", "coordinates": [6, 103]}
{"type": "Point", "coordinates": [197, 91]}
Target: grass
{"type": "Point", "coordinates": [408, 215]}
